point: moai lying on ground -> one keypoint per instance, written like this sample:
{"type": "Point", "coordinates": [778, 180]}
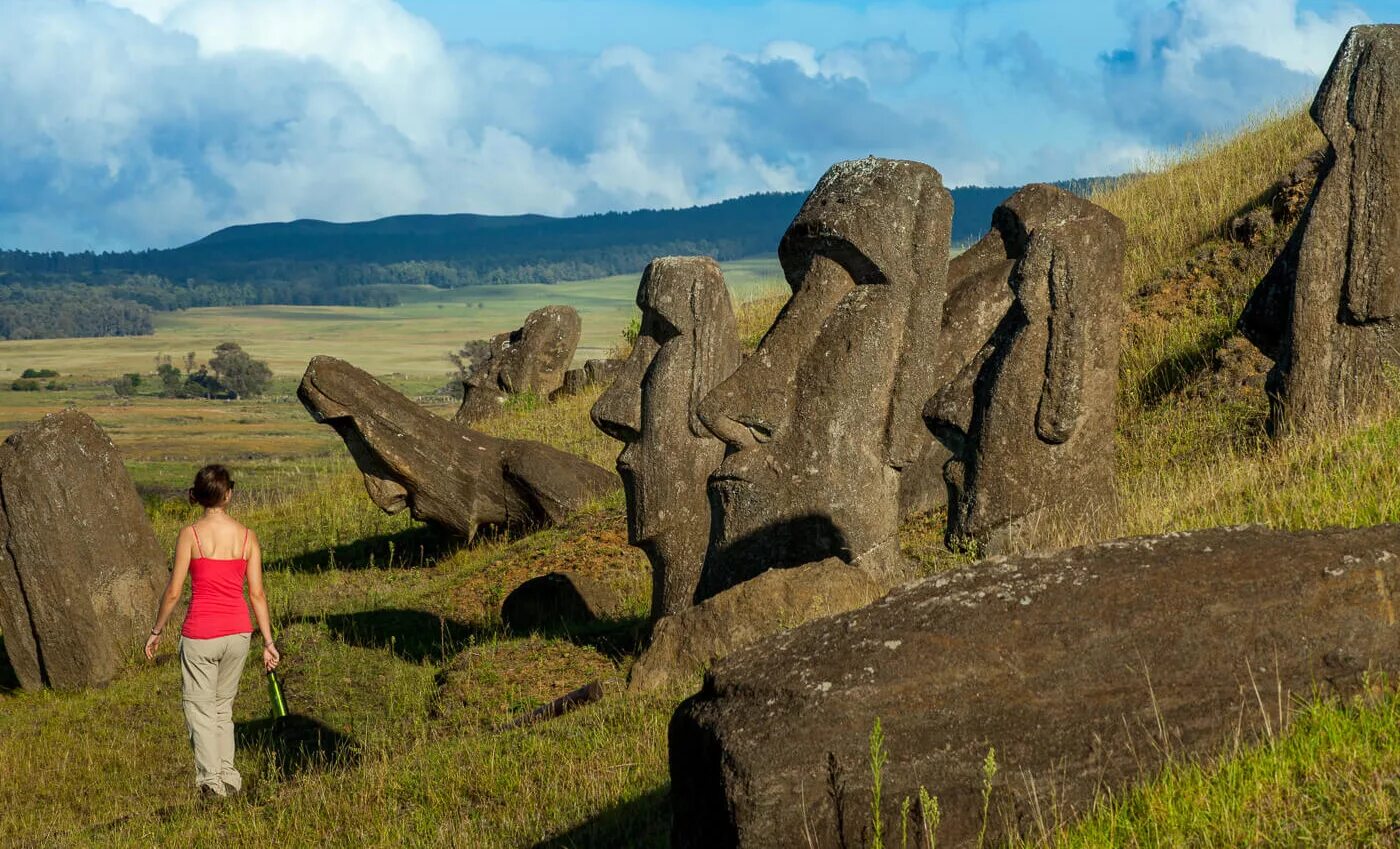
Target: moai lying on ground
{"type": "Point", "coordinates": [1083, 670]}
{"type": "Point", "coordinates": [1328, 313]}
{"type": "Point", "coordinates": [532, 358]}
{"type": "Point", "coordinates": [1030, 420]}
{"type": "Point", "coordinates": [81, 571]}
{"type": "Point", "coordinates": [442, 471]}
{"type": "Point", "coordinates": [688, 343]}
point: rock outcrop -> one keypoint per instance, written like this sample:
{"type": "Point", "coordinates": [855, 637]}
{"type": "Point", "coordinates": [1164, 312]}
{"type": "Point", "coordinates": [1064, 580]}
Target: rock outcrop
{"type": "Point", "coordinates": [81, 571]}
{"type": "Point", "coordinates": [1082, 669]}
{"type": "Point", "coordinates": [558, 600]}
{"type": "Point", "coordinates": [533, 358]}
{"type": "Point", "coordinates": [442, 471]}
{"type": "Point", "coordinates": [1329, 312]}
{"type": "Point", "coordinates": [689, 343]}
{"type": "Point", "coordinates": [823, 417]}
{"type": "Point", "coordinates": [1029, 420]}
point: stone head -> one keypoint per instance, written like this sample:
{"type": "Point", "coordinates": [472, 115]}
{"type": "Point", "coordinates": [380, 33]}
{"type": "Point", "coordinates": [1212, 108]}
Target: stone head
{"type": "Point", "coordinates": [823, 416]}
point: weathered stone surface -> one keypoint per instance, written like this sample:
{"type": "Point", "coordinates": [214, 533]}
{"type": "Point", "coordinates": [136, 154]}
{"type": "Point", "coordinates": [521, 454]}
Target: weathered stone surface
{"type": "Point", "coordinates": [689, 342]}
{"type": "Point", "coordinates": [686, 643]}
{"type": "Point", "coordinates": [1328, 310]}
{"type": "Point", "coordinates": [1030, 419]}
{"type": "Point", "coordinates": [602, 371]}
{"type": "Point", "coordinates": [823, 417]}
{"type": "Point", "coordinates": [558, 600]}
{"type": "Point", "coordinates": [81, 571]}
{"type": "Point", "coordinates": [575, 381]}
{"type": "Point", "coordinates": [533, 358]}
{"type": "Point", "coordinates": [442, 471]}
{"type": "Point", "coordinates": [1079, 668]}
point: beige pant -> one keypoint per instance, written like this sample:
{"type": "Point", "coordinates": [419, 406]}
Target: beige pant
{"type": "Point", "coordinates": [210, 670]}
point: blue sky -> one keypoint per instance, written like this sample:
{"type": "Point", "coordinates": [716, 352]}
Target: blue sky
{"type": "Point", "coordinates": [148, 123]}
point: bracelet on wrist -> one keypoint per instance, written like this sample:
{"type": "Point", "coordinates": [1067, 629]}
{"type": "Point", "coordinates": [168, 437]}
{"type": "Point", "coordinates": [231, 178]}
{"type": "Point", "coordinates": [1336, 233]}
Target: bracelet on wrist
{"type": "Point", "coordinates": [155, 633]}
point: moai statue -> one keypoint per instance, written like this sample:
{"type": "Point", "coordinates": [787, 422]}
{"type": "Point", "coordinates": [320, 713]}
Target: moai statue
{"type": "Point", "coordinates": [1328, 313]}
{"type": "Point", "coordinates": [824, 416]}
{"type": "Point", "coordinates": [689, 343]}
{"type": "Point", "coordinates": [1030, 420]}
{"type": "Point", "coordinates": [440, 471]}
{"type": "Point", "coordinates": [532, 358]}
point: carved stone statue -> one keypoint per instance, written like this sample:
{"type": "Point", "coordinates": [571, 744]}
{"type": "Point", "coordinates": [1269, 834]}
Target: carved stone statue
{"type": "Point", "coordinates": [688, 343]}
{"type": "Point", "coordinates": [441, 471]}
{"type": "Point", "coordinates": [1328, 312]}
{"type": "Point", "coordinates": [1030, 420]}
{"type": "Point", "coordinates": [532, 358]}
{"type": "Point", "coordinates": [823, 417]}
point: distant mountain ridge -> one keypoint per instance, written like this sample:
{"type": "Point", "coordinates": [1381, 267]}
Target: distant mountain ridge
{"type": "Point", "coordinates": [363, 263]}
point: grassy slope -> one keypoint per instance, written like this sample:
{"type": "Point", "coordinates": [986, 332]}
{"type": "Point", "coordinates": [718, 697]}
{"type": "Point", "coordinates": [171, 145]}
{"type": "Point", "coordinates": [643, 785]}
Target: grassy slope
{"type": "Point", "coordinates": [374, 615]}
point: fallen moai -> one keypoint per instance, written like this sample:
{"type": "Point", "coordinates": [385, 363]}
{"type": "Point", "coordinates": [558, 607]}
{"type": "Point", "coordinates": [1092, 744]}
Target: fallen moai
{"type": "Point", "coordinates": [442, 471]}
{"type": "Point", "coordinates": [1029, 420]}
{"type": "Point", "coordinates": [1328, 313]}
{"type": "Point", "coordinates": [532, 358]}
{"type": "Point", "coordinates": [688, 343]}
{"type": "Point", "coordinates": [81, 571]}
{"type": "Point", "coordinates": [823, 417]}
{"type": "Point", "coordinates": [1082, 669]}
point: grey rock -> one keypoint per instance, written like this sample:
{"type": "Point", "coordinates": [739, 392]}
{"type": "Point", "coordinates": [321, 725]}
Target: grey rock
{"type": "Point", "coordinates": [1030, 419]}
{"type": "Point", "coordinates": [1328, 310]}
{"type": "Point", "coordinates": [824, 416]}
{"type": "Point", "coordinates": [442, 471]}
{"type": "Point", "coordinates": [81, 571]}
{"type": "Point", "coordinates": [602, 371]}
{"type": "Point", "coordinates": [533, 358]}
{"type": "Point", "coordinates": [575, 381]}
{"type": "Point", "coordinates": [689, 342]}
{"type": "Point", "coordinates": [684, 644]}
{"type": "Point", "coordinates": [1082, 669]}
{"type": "Point", "coordinates": [558, 600]}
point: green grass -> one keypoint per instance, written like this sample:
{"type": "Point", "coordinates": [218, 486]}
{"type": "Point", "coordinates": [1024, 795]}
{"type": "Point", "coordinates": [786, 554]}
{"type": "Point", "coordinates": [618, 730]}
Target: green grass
{"type": "Point", "coordinates": [410, 339]}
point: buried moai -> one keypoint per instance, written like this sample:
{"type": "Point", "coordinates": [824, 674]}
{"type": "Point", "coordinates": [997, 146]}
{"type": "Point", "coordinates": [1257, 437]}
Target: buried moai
{"type": "Point", "coordinates": [1328, 313]}
{"type": "Point", "coordinates": [81, 571]}
{"type": "Point", "coordinates": [532, 358]}
{"type": "Point", "coordinates": [442, 471]}
{"type": "Point", "coordinates": [823, 417]}
{"type": "Point", "coordinates": [688, 343]}
{"type": "Point", "coordinates": [1030, 419]}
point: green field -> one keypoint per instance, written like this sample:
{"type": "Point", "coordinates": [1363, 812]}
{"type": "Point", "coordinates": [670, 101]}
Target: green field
{"type": "Point", "coordinates": [410, 339]}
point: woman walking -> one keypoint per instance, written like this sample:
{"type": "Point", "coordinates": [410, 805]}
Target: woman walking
{"type": "Point", "coordinates": [220, 555]}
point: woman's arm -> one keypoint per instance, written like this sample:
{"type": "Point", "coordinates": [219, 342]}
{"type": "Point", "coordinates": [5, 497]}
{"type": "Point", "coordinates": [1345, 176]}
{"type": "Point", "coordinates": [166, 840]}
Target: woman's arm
{"type": "Point", "coordinates": [184, 546]}
{"type": "Point", "coordinates": [257, 594]}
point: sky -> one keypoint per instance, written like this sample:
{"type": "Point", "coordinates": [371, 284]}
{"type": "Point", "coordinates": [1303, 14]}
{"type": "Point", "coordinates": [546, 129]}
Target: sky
{"type": "Point", "coordinates": [128, 124]}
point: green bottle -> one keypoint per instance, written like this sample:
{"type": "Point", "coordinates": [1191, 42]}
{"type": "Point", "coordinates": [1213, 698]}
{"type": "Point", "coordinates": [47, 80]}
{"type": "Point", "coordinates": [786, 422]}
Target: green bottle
{"type": "Point", "coordinates": [274, 693]}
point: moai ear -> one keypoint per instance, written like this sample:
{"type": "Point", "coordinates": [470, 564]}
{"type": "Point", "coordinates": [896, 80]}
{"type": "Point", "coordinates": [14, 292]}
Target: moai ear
{"type": "Point", "coordinates": [1061, 399]}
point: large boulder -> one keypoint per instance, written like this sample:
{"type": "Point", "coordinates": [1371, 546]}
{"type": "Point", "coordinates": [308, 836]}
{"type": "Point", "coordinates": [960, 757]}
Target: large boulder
{"type": "Point", "coordinates": [1081, 669]}
{"type": "Point", "coordinates": [821, 420]}
{"type": "Point", "coordinates": [1329, 311]}
{"type": "Point", "coordinates": [532, 358]}
{"type": "Point", "coordinates": [1030, 419]}
{"type": "Point", "coordinates": [688, 343]}
{"type": "Point", "coordinates": [81, 572]}
{"type": "Point", "coordinates": [442, 471]}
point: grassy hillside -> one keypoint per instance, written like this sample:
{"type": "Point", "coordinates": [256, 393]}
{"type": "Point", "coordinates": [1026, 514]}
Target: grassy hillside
{"type": "Point", "coordinates": [394, 649]}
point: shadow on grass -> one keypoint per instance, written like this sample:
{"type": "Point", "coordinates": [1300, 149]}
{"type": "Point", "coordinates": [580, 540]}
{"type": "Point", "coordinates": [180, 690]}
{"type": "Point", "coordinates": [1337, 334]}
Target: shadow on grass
{"type": "Point", "coordinates": [615, 639]}
{"type": "Point", "coordinates": [642, 822]}
{"type": "Point", "coordinates": [9, 680]}
{"type": "Point", "coordinates": [297, 743]}
{"type": "Point", "coordinates": [412, 635]}
{"type": "Point", "coordinates": [418, 546]}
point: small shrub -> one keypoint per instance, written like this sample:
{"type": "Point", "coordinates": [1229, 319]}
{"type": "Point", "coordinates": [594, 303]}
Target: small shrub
{"type": "Point", "coordinates": [25, 385]}
{"type": "Point", "coordinates": [32, 373]}
{"type": "Point", "coordinates": [55, 386]}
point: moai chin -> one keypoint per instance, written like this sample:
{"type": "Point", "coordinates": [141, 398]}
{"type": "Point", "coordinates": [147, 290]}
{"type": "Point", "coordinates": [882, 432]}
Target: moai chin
{"type": "Point", "coordinates": [1327, 312]}
{"type": "Point", "coordinates": [1030, 421]}
{"type": "Point", "coordinates": [825, 414]}
{"type": "Point", "coordinates": [688, 343]}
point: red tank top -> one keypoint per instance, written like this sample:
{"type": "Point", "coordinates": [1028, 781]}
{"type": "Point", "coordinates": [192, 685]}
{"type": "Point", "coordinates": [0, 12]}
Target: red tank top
{"type": "Point", "coordinates": [217, 607]}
